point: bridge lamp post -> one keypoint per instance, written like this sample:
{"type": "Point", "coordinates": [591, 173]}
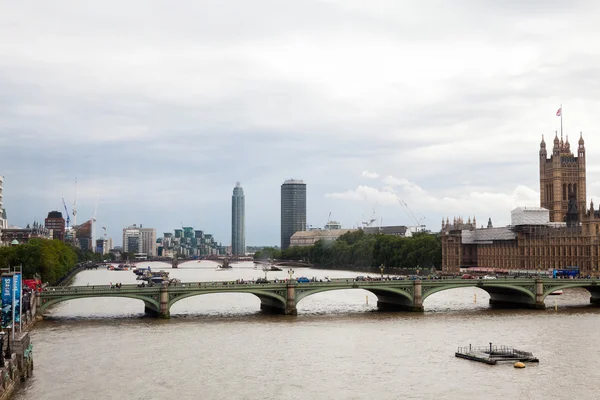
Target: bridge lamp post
{"type": "Point", "coordinates": [381, 267]}
{"type": "Point", "coordinates": [291, 272]}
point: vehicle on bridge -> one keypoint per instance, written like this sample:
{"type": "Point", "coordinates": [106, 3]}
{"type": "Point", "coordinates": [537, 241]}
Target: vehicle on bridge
{"type": "Point", "coordinates": [567, 272]}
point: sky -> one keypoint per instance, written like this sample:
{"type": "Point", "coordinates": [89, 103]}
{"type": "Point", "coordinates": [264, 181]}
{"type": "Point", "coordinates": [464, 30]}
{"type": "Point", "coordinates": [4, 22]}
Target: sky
{"type": "Point", "coordinates": [405, 112]}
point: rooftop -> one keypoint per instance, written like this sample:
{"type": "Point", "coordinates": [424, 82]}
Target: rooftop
{"type": "Point", "coordinates": [487, 235]}
{"type": "Point", "coordinates": [294, 182]}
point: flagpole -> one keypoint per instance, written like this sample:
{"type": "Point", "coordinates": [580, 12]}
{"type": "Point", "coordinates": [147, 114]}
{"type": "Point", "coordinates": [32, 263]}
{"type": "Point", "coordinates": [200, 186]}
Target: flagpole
{"type": "Point", "coordinates": [561, 113]}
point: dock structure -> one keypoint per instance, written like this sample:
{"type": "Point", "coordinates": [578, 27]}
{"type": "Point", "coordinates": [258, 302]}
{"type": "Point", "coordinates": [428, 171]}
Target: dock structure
{"type": "Point", "coordinates": [492, 354]}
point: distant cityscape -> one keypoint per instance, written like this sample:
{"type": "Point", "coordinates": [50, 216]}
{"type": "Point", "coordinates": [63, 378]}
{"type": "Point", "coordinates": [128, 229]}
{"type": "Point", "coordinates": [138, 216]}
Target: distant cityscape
{"type": "Point", "coordinates": [562, 233]}
{"type": "Point", "coordinates": [184, 241]}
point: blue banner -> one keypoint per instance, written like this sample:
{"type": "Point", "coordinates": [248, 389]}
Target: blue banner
{"type": "Point", "coordinates": [7, 292]}
{"type": "Point", "coordinates": [17, 291]}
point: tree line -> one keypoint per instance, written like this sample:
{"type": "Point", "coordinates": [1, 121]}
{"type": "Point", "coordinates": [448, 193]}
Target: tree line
{"type": "Point", "coordinates": [355, 250]}
{"type": "Point", "coordinates": [49, 259]}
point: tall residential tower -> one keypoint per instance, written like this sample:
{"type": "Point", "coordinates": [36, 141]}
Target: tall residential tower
{"type": "Point", "coordinates": [293, 210]}
{"type": "Point", "coordinates": [238, 221]}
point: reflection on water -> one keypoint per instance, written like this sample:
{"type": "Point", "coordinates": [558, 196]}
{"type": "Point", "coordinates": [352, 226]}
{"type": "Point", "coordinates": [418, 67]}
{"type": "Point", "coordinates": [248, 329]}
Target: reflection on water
{"type": "Point", "coordinates": [338, 347]}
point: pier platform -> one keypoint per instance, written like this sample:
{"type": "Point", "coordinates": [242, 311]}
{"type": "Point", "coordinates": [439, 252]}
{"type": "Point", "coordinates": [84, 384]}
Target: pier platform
{"type": "Point", "coordinates": [492, 354]}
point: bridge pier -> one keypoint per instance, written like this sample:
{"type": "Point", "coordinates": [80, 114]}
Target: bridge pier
{"type": "Point", "coordinates": [387, 302]}
{"type": "Point", "coordinates": [273, 306]}
{"type": "Point", "coordinates": [163, 310]}
{"type": "Point", "coordinates": [290, 305]}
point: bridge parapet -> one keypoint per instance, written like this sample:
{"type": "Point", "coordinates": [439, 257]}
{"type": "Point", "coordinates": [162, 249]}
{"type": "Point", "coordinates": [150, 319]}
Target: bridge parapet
{"type": "Point", "coordinates": [283, 296]}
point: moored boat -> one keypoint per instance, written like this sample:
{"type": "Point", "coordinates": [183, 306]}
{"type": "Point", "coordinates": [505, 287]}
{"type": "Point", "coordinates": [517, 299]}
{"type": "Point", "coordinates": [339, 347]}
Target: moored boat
{"type": "Point", "coordinates": [225, 264]}
{"type": "Point", "coordinates": [557, 292]}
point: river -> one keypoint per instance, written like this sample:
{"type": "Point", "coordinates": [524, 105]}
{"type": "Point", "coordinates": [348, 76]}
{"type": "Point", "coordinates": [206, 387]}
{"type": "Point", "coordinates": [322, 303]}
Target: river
{"type": "Point", "coordinates": [220, 346]}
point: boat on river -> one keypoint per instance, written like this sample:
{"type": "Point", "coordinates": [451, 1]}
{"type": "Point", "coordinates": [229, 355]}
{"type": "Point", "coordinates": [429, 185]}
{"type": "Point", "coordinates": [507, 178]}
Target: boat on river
{"type": "Point", "coordinates": [225, 265]}
{"type": "Point", "coordinates": [556, 292]}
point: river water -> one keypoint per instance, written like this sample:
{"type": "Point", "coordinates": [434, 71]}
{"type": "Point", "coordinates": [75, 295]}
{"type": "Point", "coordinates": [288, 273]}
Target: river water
{"type": "Point", "coordinates": [220, 346]}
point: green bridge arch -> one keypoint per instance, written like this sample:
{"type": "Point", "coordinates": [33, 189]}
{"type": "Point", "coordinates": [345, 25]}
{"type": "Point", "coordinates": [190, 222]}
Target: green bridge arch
{"type": "Point", "coordinates": [509, 288]}
{"type": "Point", "coordinates": [149, 300]}
{"type": "Point", "coordinates": [265, 296]}
{"type": "Point", "coordinates": [592, 287]}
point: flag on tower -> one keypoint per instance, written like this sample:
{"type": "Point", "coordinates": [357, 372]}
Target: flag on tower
{"type": "Point", "coordinates": [559, 112]}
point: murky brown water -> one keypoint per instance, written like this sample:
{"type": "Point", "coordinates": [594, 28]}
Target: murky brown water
{"type": "Point", "coordinates": [220, 347]}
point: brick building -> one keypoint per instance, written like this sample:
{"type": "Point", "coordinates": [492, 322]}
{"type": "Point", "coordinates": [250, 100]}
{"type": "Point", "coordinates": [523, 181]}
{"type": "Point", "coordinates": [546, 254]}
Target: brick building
{"type": "Point", "coordinates": [561, 233]}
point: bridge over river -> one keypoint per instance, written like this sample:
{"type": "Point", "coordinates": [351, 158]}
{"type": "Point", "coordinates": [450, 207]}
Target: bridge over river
{"type": "Point", "coordinates": [282, 297]}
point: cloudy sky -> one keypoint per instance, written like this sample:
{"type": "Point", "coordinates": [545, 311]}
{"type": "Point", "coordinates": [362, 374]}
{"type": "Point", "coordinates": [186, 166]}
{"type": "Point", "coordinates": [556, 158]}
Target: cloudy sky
{"type": "Point", "coordinates": [159, 108]}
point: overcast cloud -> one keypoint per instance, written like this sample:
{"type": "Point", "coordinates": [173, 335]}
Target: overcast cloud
{"type": "Point", "coordinates": [429, 108]}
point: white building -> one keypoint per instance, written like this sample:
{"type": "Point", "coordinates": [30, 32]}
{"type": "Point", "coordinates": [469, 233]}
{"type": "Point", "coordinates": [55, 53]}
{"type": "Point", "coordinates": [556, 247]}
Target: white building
{"type": "Point", "coordinates": [139, 240]}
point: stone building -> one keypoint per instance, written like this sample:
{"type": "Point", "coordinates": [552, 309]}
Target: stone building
{"type": "Point", "coordinates": [561, 233]}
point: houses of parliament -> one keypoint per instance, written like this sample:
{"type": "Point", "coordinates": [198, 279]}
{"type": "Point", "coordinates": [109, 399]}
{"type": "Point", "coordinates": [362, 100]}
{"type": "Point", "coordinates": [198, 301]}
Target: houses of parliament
{"type": "Point", "coordinates": [561, 233]}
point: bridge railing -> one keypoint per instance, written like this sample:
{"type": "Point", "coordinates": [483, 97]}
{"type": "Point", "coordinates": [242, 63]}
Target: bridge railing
{"type": "Point", "coordinates": [338, 281]}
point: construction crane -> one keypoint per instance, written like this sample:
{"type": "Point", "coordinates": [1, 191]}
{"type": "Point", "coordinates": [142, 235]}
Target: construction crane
{"type": "Point", "coordinates": [67, 212]}
{"type": "Point", "coordinates": [370, 221]}
{"type": "Point", "coordinates": [75, 205]}
{"type": "Point", "coordinates": [94, 220]}
{"type": "Point", "coordinates": [419, 222]}
{"type": "Point", "coordinates": [327, 225]}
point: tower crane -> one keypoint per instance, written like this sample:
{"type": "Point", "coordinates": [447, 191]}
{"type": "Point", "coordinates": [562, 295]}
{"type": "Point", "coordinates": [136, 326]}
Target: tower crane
{"type": "Point", "coordinates": [418, 222]}
{"type": "Point", "coordinates": [67, 213]}
{"type": "Point", "coordinates": [370, 221]}
{"type": "Point", "coordinates": [94, 220]}
{"type": "Point", "coordinates": [75, 205]}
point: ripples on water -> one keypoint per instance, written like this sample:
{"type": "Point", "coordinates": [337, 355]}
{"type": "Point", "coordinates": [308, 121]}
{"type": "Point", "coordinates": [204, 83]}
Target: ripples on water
{"type": "Point", "coordinates": [338, 347]}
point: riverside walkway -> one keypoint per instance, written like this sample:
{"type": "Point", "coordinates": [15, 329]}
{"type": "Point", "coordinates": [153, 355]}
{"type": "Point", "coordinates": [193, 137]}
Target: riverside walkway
{"type": "Point", "coordinates": [282, 297]}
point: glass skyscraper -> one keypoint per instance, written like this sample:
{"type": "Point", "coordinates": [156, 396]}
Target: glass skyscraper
{"type": "Point", "coordinates": [238, 221]}
{"type": "Point", "coordinates": [293, 210]}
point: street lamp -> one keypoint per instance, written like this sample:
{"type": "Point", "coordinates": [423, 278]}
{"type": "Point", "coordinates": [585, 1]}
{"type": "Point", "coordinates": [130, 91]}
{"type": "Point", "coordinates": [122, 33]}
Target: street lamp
{"type": "Point", "coordinates": [417, 270]}
{"type": "Point", "coordinates": [291, 272]}
{"type": "Point", "coordinates": [381, 267]}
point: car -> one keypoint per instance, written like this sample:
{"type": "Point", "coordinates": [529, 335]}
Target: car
{"type": "Point", "coordinates": [468, 276]}
{"type": "Point", "coordinates": [490, 277]}
{"type": "Point", "coordinates": [303, 279]}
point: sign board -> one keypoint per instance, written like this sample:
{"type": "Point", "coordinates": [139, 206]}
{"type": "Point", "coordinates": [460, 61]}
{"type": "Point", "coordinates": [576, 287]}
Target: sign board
{"type": "Point", "coordinates": [7, 293]}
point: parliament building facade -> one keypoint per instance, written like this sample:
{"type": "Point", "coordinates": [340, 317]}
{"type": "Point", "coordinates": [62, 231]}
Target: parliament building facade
{"type": "Point", "coordinates": [561, 233]}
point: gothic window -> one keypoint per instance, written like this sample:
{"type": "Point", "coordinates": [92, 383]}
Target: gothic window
{"type": "Point", "coordinates": [575, 189]}
{"type": "Point", "coordinates": [564, 192]}
{"type": "Point", "coordinates": [570, 189]}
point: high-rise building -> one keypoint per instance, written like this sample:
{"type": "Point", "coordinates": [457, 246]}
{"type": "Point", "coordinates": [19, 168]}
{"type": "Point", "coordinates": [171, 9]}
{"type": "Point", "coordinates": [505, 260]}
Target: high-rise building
{"type": "Point", "coordinates": [137, 239]}
{"type": "Point", "coordinates": [562, 176]}
{"type": "Point", "coordinates": [293, 210]}
{"type": "Point", "coordinates": [148, 241]}
{"type": "Point", "coordinates": [238, 221]}
{"type": "Point", "coordinates": [131, 239]}
{"type": "Point", "coordinates": [103, 246]}
{"type": "Point", "coordinates": [56, 223]}
{"type": "Point", "coordinates": [83, 235]}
